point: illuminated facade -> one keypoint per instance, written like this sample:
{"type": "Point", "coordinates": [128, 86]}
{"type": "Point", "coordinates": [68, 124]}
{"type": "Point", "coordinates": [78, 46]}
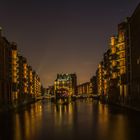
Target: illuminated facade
{"type": "Point", "coordinates": [99, 75]}
{"type": "Point", "coordinates": [65, 85]}
{"type": "Point", "coordinates": [30, 81]}
{"type": "Point", "coordinates": [18, 83]}
{"type": "Point", "coordinates": [8, 71]}
{"type": "Point", "coordinates": [36, 85]}
{"type": "Point", "coordinates": [113, 72]}
{"type": "Point", "coordinates": [24, 83]}
{"type": "Point", "coordinates": [14, 73]}
{"type": "Point", "coordinates": [106, 72]}
{"type": "Point", "coordinates": [123, 54]}
{"type": "Point", "coordinates": [93, 85]}
{"type": "Point", "coordinates": [118, 76]}
{"type": "Point", "coordinates": [85, 88]}
{"type": "Point", "coordinates": [50, 90]}
{"type": "Point", "coordinates": [115, 66]}
{"type": "Point", "coordinates": [23, 77]}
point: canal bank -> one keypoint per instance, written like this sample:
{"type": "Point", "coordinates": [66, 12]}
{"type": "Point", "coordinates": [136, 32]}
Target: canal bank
{"type": "Point", "coordinates": [131, 107]}
{"type": "Point", "coordinates": [128, 107]}
{"type": "Point", "coordinates": [8, 107]}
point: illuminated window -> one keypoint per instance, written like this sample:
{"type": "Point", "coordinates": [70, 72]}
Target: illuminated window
{"type": "Point", "coordinates": [112, 41]}
{"type": "Point", "coordinates": [14, 54]}
{"type": "Point", "coordinates": [105, 72]}
{"type": "Point", "coordinates": [121, 37]}
{"type": "Point", "coordinates": [122, 54]}
{"type": "Point", "coordinates": [14, 79]}
{"type": "Point", "coordinates": [114, 75]}
{"type": "Point", "coordinates": [113, 50]}
{"type": "Point", "coordinates": [14, 74]}
{"type": "Point", "coordinates": [121, 47]}
{"type": "Point", "coordinates": [25, 73]}
{"type": "Point", "coordinates": [25, 89]}
{"type": "Point", "coordinates": [14, 62]}
{"type": "Point", "coordinates": [122, 62]}
{"type": "Point", "coordinates": [114, 63]}
{"type": "Point", "coordinates": [105, 81]}
{"type": "Point", "coordinates": [123, 70]}
{"type": "Point", "coordinates": [14, 68]}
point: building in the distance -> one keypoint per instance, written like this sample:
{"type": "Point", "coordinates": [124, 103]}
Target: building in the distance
{"type": "Point", "coordinates": [36, 85]}
{"type": "Point", "coordinates": [50, 90]}
{"type": "Point", "coordinates": [65, 85]}
{"type": "Point", "coordinates": [99, 76]}
{"type": "Point", "coordinates": [84, 88]}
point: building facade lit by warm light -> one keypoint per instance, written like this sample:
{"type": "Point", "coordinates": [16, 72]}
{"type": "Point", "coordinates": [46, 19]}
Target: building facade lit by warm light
{"type": "Point", "coordinates": [30, 81]}
{"type": "Point", "coordinates": [93, 85]}
{"type": "Point", "coordinates": [50, 90]}
{"type": "Point", "coordinates": [99, 75]}
{"type": "Point", "coordinates": [106, 72]}
{"type": "Point", "coordinates": [14, 72]}
{"type": "Point", "coordinates": [8, 71]}
{"type": "Point", "coordinates": [65, 85]}
{"type": "Point", "coordinates": [84, 88]}
{"type": "Point", "coordinates": [118, 80]}
{"type": "Point", "coordinates": [36, 85]}
{"type": "Point", "coordinates": [118, 75]}
{"type": "Point", "coordinates": [18, 82]}
{"type": "Point", "coordinates": [112, 73]}
{"type": "Point", "coordinates": [123, 55]}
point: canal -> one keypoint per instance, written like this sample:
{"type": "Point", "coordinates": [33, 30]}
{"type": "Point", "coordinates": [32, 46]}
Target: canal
{"type": "Point", "coordinates": [80, 120]}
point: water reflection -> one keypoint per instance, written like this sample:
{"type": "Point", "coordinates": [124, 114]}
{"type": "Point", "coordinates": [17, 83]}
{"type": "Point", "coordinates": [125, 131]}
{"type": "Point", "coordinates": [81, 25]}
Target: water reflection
{"type": "Point", "coordinates": [83, 119]}
{"type": "Point", "coordinates": [63, 115]}
{"type": "Point", "coordinates": [28, 122]}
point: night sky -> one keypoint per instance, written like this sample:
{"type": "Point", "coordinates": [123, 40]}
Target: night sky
{"type": "Point", "coordinates": [68, 36]}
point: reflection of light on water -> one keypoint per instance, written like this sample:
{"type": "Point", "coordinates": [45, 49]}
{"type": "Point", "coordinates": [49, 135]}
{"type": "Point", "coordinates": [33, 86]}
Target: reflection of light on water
{"type": "Point", "coordinates": [103, 119]}
{"type": "Point", "coordinates": [17, 128]}
{"type": "Point", "coordinates": [60, 111]}
{"type": "Point", "coordinates": [28, 123]}
{"type": "Point", "coordinates": [103, 110]}
{"type": "Point", "coordinates": [116, 123]}
{"type": "Point", "coordinates": [84, 117]}
{"type": "Point", "coordinates": [119, 128]}
{"type": "Point", "coordinates": [63, 114]}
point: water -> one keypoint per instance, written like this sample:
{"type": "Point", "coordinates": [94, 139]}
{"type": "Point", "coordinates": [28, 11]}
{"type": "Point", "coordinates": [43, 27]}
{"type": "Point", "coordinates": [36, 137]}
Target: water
{"type": "Point", "coordinates": [80, 120]}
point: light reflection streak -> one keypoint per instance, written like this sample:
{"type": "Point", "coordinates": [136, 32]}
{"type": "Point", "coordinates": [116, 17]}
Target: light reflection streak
{"type": "Point", "coordinates": [86, 116]}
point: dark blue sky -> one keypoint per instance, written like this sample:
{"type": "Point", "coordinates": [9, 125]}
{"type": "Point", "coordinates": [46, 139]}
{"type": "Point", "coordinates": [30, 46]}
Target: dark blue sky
{"type": "Point", "coordinates": [63, 35]}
